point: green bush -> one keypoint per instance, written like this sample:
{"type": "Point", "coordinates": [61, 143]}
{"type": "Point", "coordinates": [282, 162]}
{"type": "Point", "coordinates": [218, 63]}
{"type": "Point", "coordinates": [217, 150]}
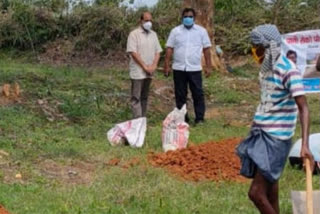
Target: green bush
{"type": "Point", "coordinates": [104, 27]}
{"type": "Point", "coordinates": [235, 19]}
{"type": "Point", "coordinates": [23, 26]}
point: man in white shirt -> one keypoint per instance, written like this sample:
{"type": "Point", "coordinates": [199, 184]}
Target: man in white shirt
{"type": "Point", "coordinates": [186, 43]}
{"type": "Point", "coordinates": [144, 49]}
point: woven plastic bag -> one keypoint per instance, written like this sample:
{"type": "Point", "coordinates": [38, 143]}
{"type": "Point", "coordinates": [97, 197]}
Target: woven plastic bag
{"type": "Point", "coordinates": [175, 131]}
{"type": "Point", "coordinates": [132, 132]}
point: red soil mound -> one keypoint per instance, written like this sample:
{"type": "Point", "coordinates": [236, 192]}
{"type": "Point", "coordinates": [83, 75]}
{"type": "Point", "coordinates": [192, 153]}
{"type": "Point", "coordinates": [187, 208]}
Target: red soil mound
{"type": "Point", "coordinates": [215, 161]}
{"type": "Point", "coordinates": [3, 211]}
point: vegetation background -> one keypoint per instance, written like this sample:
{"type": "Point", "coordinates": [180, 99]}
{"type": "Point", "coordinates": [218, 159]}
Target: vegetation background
{"type": "Point", "coordinates": [103, 27]}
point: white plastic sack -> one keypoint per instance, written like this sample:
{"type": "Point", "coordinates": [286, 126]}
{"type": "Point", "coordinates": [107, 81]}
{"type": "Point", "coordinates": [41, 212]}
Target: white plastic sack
{"type": "Point", "coordinates": [314, 146]}
{"type": "Point", "coordinates": [132, 131]}
{"type": "Point", "coordinates": [175, 131]}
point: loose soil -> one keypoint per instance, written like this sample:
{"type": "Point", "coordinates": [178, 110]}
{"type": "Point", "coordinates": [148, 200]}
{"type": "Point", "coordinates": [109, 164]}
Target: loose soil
{"type": "Point", "coordinates": [214, 161]}
{"type": "Point", "coordinates": [10, 94]}
{"type": "Point", "coordinates": [3, 210]}
{"type": "Point", "coordinates": [74, 172]}
{"type": "Point", "coordinates": [231, 114]}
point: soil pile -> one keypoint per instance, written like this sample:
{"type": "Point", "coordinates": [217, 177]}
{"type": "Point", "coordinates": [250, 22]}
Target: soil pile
{"type": "Point", "coordinates": [3, 211]}
{"type": "Point", "coordinates": [215, 161]}
{"type": "Point", "coordinates": [9, 94]}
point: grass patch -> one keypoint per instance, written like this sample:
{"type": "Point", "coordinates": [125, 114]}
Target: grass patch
{"type": "Point", "coordinates": [93, 101]}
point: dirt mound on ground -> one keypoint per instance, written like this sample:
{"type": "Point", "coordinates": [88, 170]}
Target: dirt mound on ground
{"type": "Point", "coordinates": [3, 210]}
{"type": "Point", "coordinates": [215, 161]}
{"type": "Point", "coordinates": [10, 94]}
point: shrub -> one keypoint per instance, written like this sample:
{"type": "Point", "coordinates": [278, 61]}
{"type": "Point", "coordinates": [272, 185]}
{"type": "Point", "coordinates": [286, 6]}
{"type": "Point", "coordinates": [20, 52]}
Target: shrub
{"type": "Point", "coordinates": [23, 26]}
{"type": "Point", "coordinates": [101, 29]}
{"type": "Point", "coordinates": [104, 27]}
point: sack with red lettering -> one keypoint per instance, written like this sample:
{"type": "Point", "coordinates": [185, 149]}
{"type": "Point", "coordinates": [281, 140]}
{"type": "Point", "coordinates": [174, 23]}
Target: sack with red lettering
{"type": "Point", "coordinates": [175, 131]}
{"type": "Point", "coordinates": [132, 132]}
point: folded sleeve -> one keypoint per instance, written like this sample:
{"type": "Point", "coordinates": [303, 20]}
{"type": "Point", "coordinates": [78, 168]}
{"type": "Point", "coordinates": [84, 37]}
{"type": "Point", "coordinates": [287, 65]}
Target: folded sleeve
{"type": "Point", "coordinates": [158, 46]}
{"type": "Point", "coordinates": [206, 43]}
{"type": "Point", "coordinates": [293, 83]}
{"type": "Point", "coordinates": [170, 41]}
{"type": "Point", "coordinates": [132, 43]}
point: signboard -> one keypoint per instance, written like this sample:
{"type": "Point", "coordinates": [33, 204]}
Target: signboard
{"type": "Point", "coordinates": [303, 48]}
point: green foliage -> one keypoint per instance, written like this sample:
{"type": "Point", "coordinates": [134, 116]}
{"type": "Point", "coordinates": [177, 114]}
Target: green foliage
{"type": "Point", "coordinates": [294, 16]}
{"type": "Point", "coordinates": [104, 27]}
{"type": "Point", "coordinates": [24, 27]}
{"type": "Point", "coordinates": [235, 19]}
{"type": "Point", "coordinates": [166, 16]}
{"type": "Point", "coordinates": [107, 2]}
{"type": "Point", "coordinates": [4, 4]}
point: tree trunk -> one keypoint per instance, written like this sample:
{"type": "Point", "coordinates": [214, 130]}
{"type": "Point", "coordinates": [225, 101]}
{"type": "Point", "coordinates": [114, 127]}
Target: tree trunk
{"type": "Point", "coordinates": [276, 9]}
{"type": "Point", "coordinates": [204, 10]}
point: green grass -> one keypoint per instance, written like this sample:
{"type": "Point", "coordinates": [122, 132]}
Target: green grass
{"type": "Point", "coordinates": [93, 101]}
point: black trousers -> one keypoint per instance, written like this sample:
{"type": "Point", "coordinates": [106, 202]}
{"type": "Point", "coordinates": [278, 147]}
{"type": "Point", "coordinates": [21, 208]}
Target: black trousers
{"type": "Point", "coordinates": [194, 79]}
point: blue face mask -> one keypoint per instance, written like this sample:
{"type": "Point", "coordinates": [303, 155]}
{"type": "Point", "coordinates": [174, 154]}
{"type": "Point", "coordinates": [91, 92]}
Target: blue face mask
{"type": "Point", "coordinates": [188, 21]}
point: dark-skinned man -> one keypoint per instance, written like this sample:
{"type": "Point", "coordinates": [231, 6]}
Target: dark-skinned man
{"type": "Point", "coordinates": [264, 153]}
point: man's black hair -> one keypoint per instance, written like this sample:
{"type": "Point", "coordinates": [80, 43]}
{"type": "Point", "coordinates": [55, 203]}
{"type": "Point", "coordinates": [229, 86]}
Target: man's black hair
{"type": "Point", "coordinates": [187, 10]}
{"type": "Point", "coordinates": [292, 52]}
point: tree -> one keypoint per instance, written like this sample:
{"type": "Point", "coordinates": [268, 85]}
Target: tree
{"type": "Point", "coordinates": [4, 4]}
{"type": "Point", "coordinates": [205, 10]}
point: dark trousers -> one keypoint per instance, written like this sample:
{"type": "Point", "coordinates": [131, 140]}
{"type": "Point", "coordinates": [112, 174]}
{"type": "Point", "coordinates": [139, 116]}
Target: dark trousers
{"type": "Point", "coordinates": [139, 96]}
{"type": "Point", "coordinates": [194, 79]}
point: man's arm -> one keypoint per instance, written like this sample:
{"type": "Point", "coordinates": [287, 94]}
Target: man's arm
{"type": "Point", "coordinates": [132, 50]}
{"type": "Point", "coordinates": [157, 54]}
{"type": "Point", "coordinates": [169, 52]}
{"type": "Point", "coordinates": [304, 120]}
{"type": "Point", "coordinates": [155, 61]}
{"type": "Point", "coordinates": [207, 57]}
{"type": "Point", "coordinates": [136, 57]}
{"type": "Point", "coordinates": [318, 64]}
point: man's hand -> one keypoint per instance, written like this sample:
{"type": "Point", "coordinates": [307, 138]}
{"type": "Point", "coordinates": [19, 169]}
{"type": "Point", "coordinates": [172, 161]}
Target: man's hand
{"type": "Point", "coordinates": [207, 57]}
{"type": "Point", "coordinates": [208, 71]}
{"type": "Point", "coordinates": [167, 59]}
{"type": "Point", "coordinates": [167, 70]}
{"type": "Point", "coordinates": [305, 153]}
{"type": "Point", "coordinates": [137, 58]}
{"type": "Point", "coordinates": [302, 104]}
{"type": "Point", "coordinates": [149, 69]}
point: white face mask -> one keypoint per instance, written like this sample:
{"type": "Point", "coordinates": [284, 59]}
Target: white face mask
{"type": "Point", "coordinates": [147, 26]}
